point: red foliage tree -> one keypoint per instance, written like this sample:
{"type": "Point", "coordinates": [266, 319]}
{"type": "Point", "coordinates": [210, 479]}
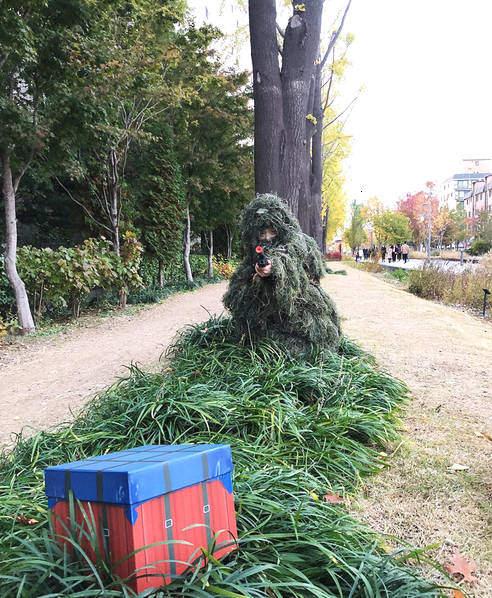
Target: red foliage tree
{"type": "Point", "coordinates": [416, 207]}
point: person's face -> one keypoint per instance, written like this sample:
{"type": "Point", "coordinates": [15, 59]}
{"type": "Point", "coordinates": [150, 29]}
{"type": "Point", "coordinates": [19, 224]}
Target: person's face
{"type": "Point", "coordinates": [267, 234]}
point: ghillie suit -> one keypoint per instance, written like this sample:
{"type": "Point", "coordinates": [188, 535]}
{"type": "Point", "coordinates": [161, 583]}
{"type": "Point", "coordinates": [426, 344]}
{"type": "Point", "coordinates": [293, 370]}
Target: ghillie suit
{"type": "Point", "coordinates": [289, 305]}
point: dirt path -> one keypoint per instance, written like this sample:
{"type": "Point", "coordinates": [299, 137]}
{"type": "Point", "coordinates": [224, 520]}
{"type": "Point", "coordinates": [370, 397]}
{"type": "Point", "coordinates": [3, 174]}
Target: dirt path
{"type": "Point", "coordinates": [442, 354]}
{"type": "Point", "coordinates": [45, 381]}
{"type": "Point", "coordinates": [445, 357]}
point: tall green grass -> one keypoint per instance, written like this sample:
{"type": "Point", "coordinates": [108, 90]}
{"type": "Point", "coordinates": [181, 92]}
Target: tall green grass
{"type": "Point", "coordinates": [298, 429]}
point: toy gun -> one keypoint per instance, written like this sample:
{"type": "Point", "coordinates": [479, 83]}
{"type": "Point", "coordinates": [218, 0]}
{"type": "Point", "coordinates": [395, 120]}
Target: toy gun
{"type": "Point", "coordinates": [261, 258]}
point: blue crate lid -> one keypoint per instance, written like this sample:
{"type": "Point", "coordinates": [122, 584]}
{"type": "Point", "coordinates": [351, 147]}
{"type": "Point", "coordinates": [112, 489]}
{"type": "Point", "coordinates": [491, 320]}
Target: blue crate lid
{"type": "Point", "coordinates": [138, 474]}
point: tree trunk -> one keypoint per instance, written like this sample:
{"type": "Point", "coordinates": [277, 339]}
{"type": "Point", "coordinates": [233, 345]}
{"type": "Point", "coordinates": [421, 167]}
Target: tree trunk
{"type": "Point", "coordinates": [316, 228]}
{"type": "Point", "coordinates": [210, 244]}
{"type": "Point", "coordinates": [24, 315]}
{"type": "Point", "coordinates": [267, 91]}
{"type": "Point", "coordinates": [229, 237]}
{"type": "Point", "coordinates": [114, 207]}
{"type": "Point", "coordinates": [300, 52]}
{"type": "Point", "coordinates": [160, 274]}
{"type": "Point", "coordinates": [282, 135]}
{"type": "Point", "coordinates": [325, 229]}
{"type": "Point", "coordinates": [187, 246]}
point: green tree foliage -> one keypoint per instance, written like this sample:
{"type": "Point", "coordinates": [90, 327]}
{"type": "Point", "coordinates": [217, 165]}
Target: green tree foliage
{"type": "Point", "coordinates": [355, 234]}
{"type": "Point", "coordinates": [121, 117]}
{"type": "Point", "coordinates": [157, 194]}
{"type": "Point", "coordinates": [483, 226]}
{"type": "Point", "coordinates": [215, 128]}
{"type": "Point", "coordinates": [392, 227]}
{"type": "Point", "coordinates": [336, 147]}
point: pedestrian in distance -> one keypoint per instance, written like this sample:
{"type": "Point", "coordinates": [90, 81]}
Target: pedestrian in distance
{"type": "Point", "coordinates": [405, 250]}
{"type": "Point", "coordinates": [398, 252]}
{"type": "Point", "coordinates": [393, 253]}
{"type": "Point", "coordinates": [383, 252]}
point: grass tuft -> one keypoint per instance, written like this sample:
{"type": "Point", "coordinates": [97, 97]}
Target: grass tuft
{"type": "Point", "coordinates": [299, 429]}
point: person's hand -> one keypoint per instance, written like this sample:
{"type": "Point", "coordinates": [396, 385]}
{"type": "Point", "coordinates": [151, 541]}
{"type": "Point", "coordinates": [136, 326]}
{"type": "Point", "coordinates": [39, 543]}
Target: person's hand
{"type": "Point", "coordinates": [265, 271]}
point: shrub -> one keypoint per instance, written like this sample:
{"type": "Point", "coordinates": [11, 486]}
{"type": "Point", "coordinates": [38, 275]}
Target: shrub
{"type": "Point", "coordinates": [442, 283]}
{"type": "Point", "coordinates": [224, 268]}
{"type": "Point", "coordinates": [64, 277]}
{"type": "Point", "coordinates": [479, 247]}
{"type": "Point", "coordinates": [333, 256]}
{"type": "Point", "coordinates": [399, 273]}
{"type": "Point", "coordinates": [7, 299]}
{"type": "Point", "coordinates": [370, 266]}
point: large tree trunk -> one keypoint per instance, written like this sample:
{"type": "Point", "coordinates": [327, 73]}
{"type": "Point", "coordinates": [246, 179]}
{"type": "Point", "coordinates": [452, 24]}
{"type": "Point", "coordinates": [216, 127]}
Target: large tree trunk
{"type": "Point", "coordinates": [300, 52]}
{"type": "Point", "coordinates": [187, 247]}
{"type": "Point", "coordinates": [267, 91]}
{"type": "Point", "coordinates": [282, 157]}
{"type": "Point", "coordinates": [24, 315]}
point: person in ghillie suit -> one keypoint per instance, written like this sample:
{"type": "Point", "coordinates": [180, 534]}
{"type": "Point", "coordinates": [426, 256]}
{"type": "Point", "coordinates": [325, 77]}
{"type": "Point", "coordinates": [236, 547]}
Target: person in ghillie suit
{"type": "Point", "coordinates": [281, 298]}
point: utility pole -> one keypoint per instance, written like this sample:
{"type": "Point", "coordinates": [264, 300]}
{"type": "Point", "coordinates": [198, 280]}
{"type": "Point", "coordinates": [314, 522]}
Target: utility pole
{"type": "Point", "coordinates": [430, 186]}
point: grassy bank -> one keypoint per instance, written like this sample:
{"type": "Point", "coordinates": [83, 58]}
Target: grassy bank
{"type": "Point", "coordinates": [299, 430]}
{"type": "Point", "coordinates": [439, 282]}
{"type": "Point", "coordinates": [453, 288]}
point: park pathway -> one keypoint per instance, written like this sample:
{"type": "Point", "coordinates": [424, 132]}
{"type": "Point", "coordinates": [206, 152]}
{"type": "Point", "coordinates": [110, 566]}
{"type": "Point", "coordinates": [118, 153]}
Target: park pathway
{"type": "Point", "coordinates": [45, 381]}
{"type": "Point", "coordinates": [438, 488]}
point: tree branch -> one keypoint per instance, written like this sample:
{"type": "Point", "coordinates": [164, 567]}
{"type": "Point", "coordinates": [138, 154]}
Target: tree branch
{"type": "Point", "coordinates": [341, 113]}
{"type": "Point", "coordinates": [69, 193]}
{"type": "Point", "coordinates": [336, 34]}
{"type": "Point", "coordinates": [330, 83]}
{"type": "Point", "coordinates": [18, 178]}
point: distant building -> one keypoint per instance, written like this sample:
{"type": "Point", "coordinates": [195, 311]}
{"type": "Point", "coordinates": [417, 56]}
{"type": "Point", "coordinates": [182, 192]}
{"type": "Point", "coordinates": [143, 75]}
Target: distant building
{"type": "Point", "coordinates": [458, 186]}
{"type": "Point", "coordinates": [479, 199]}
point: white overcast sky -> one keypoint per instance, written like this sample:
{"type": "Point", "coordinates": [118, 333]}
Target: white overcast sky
{"type": "Point", "coordinates": [427, 74]}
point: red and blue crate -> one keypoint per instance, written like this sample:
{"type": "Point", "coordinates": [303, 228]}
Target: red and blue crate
{"type": "Point", "coordinates": [153, 512]}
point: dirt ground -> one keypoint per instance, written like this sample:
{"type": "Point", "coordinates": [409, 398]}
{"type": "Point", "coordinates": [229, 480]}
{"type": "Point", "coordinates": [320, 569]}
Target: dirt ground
{"type": "Point", "coordinates": [43, 381]}
{"type": "Point", "coordinates": [438, 489]}
{"type": "Point", "coordinates": [445, 357]}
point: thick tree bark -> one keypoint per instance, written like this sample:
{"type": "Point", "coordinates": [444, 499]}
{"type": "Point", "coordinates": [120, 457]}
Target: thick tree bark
{"type": "Point", "coordinates": [282, 156]}
{"type": "Point", "coordinates": [267, 90]}
{"type": "Point", "coordinates": [187, 246]}
{"type": "Point", "coordinates": [300, 52]}
{"type": "Point", "coordinates": [24, 315]}
{"type": "Point", "coordinates": [287, 104]}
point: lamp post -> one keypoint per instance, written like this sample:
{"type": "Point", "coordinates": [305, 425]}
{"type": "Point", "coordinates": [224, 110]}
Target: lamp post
{"type": "Point", "coordinates": [461, 247]}
{"type": "Point", "coordinates": [486, 292]}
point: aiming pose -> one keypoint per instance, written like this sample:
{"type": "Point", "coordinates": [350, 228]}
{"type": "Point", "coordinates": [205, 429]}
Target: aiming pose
{"type": "Point", "coordinates": [275, 292]}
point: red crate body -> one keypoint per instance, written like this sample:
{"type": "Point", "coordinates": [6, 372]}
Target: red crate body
{"type": "Point", "coordinates": [182, 525]}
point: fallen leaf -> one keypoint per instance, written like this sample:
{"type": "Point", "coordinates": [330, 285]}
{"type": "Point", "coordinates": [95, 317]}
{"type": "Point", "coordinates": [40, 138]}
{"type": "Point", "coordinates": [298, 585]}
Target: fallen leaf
{"type": "Point", "coordinates": [26, 520]}
{"type": "Point", "coordinates": [458, 467]}
{"type": "Point", "coordinates": [314, 496]}
{"type": "Point", "coordinates": [334, 499]}
{"type": "Point", "coordinates": [458, 594]}
{"type": "Point", "coordinates": [461, 566]}
{"type": "Point", "coordinates": [486, 435]}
